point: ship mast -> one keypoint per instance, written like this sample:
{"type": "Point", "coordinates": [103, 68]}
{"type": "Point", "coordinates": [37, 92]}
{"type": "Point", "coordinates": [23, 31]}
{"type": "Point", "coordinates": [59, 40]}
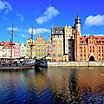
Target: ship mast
{"type": "Point", "coordinates": [11, 45]}
{"type": "Point", "coordinates": [31, 44]}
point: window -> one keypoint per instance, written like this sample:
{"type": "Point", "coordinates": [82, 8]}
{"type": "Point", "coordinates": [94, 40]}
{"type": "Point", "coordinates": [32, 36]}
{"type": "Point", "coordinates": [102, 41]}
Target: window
{"type": "Point", "coordinates": [54, 55]}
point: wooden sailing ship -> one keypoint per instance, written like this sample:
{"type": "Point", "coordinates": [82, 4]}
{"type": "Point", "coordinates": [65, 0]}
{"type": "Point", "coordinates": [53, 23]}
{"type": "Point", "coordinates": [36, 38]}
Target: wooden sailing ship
{"type": "Point", "coordinates": [11, 65]}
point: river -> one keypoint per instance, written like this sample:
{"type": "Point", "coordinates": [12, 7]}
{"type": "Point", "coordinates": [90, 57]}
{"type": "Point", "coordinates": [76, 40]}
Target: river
{"type": "Point", "coordinates": [55, 85]}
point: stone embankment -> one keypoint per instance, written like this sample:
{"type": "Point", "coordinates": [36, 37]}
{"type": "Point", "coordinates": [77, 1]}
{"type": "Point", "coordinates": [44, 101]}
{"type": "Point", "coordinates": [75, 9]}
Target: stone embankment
{"type": "Point", "coordinates": [79, 64]}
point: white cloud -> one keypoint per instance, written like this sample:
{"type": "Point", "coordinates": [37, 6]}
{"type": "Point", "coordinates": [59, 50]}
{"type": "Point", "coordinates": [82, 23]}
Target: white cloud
{"type": "Point", "coordinates": [23, 35]}
{"type": "Point", "coordinates": [39, 30]}
{"type": "Point", "coordinates": [5, 6]}
{"type": "Point", "coordinates": [95, 20]}
{"type": "Point", "coordinates": [21, 17]}
{"type": "Point", "coordinates": [14, 28]}
{"type": "Point", "coordinates": [47, 15]}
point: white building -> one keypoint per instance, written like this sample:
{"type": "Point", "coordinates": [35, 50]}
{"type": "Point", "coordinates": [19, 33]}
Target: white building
{"type": "Point", "coordinates": [22, 50]}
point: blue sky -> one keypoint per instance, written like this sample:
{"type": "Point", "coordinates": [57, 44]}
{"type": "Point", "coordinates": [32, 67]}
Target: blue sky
{"type": "Point", "coordinates": [43, 14]}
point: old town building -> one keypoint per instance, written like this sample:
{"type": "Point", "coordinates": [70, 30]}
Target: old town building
{"type": "Point", "coordinates": [40, 47]}
{"type": "Point", "coordinates": [22, 50]}
{"type": "Point", "coordinates": [88, 48]}
{"type": "Point", "coordinates": [63, 43]}
{"type": "Point", "coordinates": [66, 44]}
{"type": "Point", "coordinates": [69, 45]}
{"type": "Point", "coordinates": [49, 49]}
{"type": "Point", "coordinates": [92, 48]}
{"type": "Point", "coordinates": [69, 42]}
{"type": "Point", "coordinates": [16, 50]}
{"type": "Point", "coordinates": [6, 50]}
{"type": "Point", "coordinates": [57, 44]}
{"type": "Point", "coordinates": [30, 52]}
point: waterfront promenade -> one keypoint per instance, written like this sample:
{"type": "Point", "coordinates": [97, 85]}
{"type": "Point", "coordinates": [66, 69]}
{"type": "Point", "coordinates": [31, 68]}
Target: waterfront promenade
{"type": "Point", "coordinates": [79, 64]}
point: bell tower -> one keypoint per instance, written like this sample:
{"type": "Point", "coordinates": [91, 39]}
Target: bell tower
{"type": "Point", "coordinates": [77, 39]}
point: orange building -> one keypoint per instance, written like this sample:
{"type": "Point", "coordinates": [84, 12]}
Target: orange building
{"type": "Point", "coordinates": [92, 48]}
{"type": "Point", "coordinates": [87, 48]}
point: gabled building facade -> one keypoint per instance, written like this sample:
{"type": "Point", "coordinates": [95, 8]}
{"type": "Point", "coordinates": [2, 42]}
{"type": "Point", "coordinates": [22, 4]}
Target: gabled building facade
{"type": "Point", "coordinates": [6, 50]}
{"type": "Point", "coordinates": [22, 50]}
{"type": "Point", "coordinates": [40, 47]}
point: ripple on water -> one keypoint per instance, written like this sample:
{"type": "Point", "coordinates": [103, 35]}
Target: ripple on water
{"type": "Point", "coordinates": [54, 86]}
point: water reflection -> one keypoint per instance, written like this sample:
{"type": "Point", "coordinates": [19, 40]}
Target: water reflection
{"type": "Point", "coordinates": [69, 93]}
{"type": "Point", "coordinates": [57, 85]}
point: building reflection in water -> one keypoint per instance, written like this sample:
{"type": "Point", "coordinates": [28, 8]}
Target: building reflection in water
{"type": "Point", "coordinates": [74, 87]}
{"type": "Point", "coordinates": [37, 82]}
{"type": "Point", "coordinates": [57, 85]}
{"type": "Point", "coordinates": [77, 85]}
{"type": "Point", "coordinates": [69, 93]}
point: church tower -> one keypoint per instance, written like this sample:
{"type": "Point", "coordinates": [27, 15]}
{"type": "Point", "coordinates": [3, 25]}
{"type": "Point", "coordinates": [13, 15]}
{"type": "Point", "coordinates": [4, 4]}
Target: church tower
{"type": "Point", "coordinates": [77, 39]}
{"type": "Point", "coordinates": [78, 24]}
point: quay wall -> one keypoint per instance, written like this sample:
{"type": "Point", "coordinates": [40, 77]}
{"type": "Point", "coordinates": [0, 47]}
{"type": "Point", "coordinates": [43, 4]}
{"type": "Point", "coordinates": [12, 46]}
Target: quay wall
{"type": "Point", "coordinates": [79, 64]}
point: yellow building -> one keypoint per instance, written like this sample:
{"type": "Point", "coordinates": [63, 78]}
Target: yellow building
{"type": "Point", "coordinates": [30, 52]}
{"type": "Point", "coordinates": [40, 47]}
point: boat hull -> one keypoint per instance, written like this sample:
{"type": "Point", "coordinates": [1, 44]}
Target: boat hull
{"type": "Point", "coordinates": [17, 68]}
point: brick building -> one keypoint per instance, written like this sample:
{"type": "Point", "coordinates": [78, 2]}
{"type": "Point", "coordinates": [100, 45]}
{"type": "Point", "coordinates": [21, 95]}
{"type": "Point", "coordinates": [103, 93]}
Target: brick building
{"type": "Point", "coordinates": [88, 48]}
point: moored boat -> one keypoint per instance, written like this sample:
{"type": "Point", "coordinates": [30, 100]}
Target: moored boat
{"type": "Point", "coordinates": [42, 63]}
{"type": "Point", "coordinates": [16, 66]}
